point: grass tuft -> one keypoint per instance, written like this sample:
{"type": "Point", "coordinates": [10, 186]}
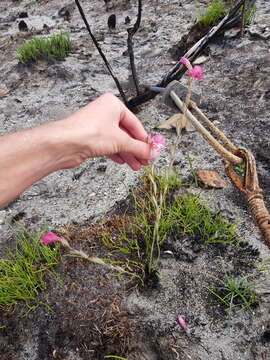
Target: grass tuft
{"type": "Point", "coordinates": [182, 213]}
{"type": "Point", "coordinates": [55, 47]}
{"type": "Point", "coordinates": [235, 293]}
{"type": "Point", "coordinates": [22, 272]}
{"type": "Point", "coordinates": [213, 13]}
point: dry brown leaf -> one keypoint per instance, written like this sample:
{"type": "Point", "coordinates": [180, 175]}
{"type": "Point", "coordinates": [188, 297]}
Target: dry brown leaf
{"type": "Point", "coordinates": [211, 178]}
{"type": "Point", "coordinates": [177, 121]}
{"type": "Point", "coordinates": [3, 92]}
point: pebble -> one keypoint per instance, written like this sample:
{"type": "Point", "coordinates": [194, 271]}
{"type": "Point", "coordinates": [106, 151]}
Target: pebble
{"type": "Point", "coordinates": [200, 60]}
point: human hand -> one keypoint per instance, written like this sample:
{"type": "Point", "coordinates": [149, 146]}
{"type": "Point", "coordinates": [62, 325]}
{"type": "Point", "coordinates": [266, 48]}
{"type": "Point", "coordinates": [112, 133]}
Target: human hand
{"type": "Point", "coordinates": [105, 127]}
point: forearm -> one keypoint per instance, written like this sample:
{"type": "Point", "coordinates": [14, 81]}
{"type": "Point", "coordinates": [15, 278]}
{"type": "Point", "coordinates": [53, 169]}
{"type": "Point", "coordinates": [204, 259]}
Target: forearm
{"type": "Point", "coordinates": [28, 156]}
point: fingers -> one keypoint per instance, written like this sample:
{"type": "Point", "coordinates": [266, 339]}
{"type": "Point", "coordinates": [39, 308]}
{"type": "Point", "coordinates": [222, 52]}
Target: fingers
{"type": "Point", "coordinates": [139, 149]}
{"type": "Point", "coordinates": [129, 159]}
{"type": "Point", "coordinates": [116, 158]}
{"type": "Point", "coordinates": [132, 125]}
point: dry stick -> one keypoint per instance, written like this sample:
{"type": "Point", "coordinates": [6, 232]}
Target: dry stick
{"type": "Point", "coordinates": [120, 89]}
{"type": "Point", "coordinates": [131, 32]}
{"type": "Point", "coordinates": [178, 70]}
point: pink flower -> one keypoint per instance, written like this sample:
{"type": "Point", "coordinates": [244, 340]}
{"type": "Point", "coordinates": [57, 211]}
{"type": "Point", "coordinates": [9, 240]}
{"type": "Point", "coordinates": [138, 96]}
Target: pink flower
{"type": "Point", "coordinates": [49, 237]}
{"type": "Point", "coordinates": [182, 323]}
{"type": "Point", "coordinates": [196, 72]}
{"type": "Point", "coordinates": [186, 62]}
{"type": "Point", "coordinates": [94, 301]}
{"type": "Point", "coordinates": [157, 142]}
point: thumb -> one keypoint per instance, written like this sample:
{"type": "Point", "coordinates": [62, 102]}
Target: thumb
{"type": "Point", "coordinates": [140, 149]}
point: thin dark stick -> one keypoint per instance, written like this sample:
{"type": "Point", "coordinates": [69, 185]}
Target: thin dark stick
{"type": "Point", "coordinates": [120, 89]}
{"type": "Point", "coordinates": [131, 32]}
{"type": "Point", "coordinates": [178, 70]}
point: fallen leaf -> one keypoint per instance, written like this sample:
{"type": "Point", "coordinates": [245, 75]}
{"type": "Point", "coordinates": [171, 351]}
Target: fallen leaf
{"type": "Point", "coordinates": [177, 121]}
{"type": "Point", "coordinates": [211, 178]}
{"type": "Point", "coordinates": [3, 92]}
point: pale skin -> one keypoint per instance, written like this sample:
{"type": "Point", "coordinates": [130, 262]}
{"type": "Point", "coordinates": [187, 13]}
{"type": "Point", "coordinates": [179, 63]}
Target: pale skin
{"type": "Point", "coordinates": [105, 127]}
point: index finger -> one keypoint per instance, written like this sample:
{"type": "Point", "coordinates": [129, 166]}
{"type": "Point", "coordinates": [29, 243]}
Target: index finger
{"type": "Point", "coordinates": [132, 125]}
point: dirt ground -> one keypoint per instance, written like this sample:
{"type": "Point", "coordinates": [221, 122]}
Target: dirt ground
{"type": "Point", "coordinates": [137, 324]}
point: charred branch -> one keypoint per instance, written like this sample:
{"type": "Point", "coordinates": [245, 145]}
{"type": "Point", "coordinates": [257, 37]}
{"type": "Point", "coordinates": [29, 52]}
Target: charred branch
{"type": "Point", "coordinates": [120, 89]}
{"type": "Point", "coordinates": [131, 32]}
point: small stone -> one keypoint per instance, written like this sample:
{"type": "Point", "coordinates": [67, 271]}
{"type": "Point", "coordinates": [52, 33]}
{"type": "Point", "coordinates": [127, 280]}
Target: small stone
{"type": "Point", "coordinates": [232, 33]}
{"type": "Point", "coordinates": [200, 60]}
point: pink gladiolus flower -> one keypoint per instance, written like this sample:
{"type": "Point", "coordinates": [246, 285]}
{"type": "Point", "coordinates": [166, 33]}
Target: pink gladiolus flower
{"type": "Point", "coordinates": [182, 323]}
{"type": "Point", "coordinates": [186, 62]}
{"type": "Point", "coordinates": [158, 142]}
{"type": "Point", "coordinates": [196, 72]}
{"type": "Point", "coordinates": [49, 237]}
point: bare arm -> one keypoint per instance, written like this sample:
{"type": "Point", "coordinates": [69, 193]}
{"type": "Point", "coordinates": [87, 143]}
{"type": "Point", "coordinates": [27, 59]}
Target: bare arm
{"type": "Point", "coordinates": [105, 127]}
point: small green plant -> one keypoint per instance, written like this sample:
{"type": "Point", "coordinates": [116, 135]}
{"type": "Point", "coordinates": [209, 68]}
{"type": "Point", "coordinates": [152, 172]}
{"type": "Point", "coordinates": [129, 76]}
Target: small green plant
{"type": "Point", "coordinates": [235, 293]}
{"type": "Point", "coordinates": [194, 217]}
{"type": "Point", "coordinates": [55, 47]}
{"type": "Point", "coordinates": [240, 169]}
{"type": "Point", "coordinates": [264, 265]}
{"type": "Point", "coordinates": [182, 213]}
{"type": "Point", "coordinates": [249, 14]}
{"type": "Point", "coordinates": [213, 13]}
{"type": "Point", "coordinates": [23, 271]}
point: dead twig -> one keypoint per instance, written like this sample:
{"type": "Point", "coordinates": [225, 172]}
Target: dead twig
{"type": "Point", "coordinates": [131, 32]}
{"type": "Point", "coordinates": [120, 89]}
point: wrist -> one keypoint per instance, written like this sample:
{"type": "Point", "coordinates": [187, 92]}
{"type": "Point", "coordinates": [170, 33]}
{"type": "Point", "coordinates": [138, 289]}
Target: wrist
{"type": "Point", "coordinates": [67, 143]}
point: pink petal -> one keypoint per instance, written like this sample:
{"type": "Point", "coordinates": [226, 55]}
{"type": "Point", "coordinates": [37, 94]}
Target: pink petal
{"type": "Point", "coordinates": [186, 62]}
{"type": "Point", "coordinates": [182, 323]}
{"type": "Point", "coordinates": [158, 142]}
{"type": "Point", "coordinates": [196, 72]}
{"type": "Point", "coordinates": [94, 301]}
{"type": "Point", "coordinates": [49, 237]}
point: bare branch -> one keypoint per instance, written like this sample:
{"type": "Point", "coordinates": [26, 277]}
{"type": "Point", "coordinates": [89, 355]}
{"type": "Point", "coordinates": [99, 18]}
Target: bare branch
{"type": "Point", "coordinates": [131, 32]}
{"type": "Point", "coordinates": [120, 89]}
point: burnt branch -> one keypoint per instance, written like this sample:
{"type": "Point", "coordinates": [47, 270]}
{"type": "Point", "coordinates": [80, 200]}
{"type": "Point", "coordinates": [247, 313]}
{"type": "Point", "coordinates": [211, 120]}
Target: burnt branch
{"type": "Point", "coordinates": [120, 89]}
{"type": "Point", "coordinates": [178, 69]}
{"type": "Point", "coordinates": [131, 32]}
